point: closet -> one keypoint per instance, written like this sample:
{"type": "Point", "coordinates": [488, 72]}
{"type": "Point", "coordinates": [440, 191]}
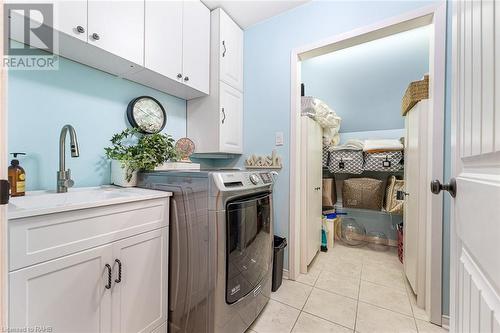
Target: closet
{"type": "Point", "coordinates": [373, 154]}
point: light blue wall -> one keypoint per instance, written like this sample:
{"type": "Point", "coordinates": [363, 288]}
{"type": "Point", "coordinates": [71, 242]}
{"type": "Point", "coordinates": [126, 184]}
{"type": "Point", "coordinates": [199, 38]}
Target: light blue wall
{"type": "Point", "coordinates": [268, 46]}
{"type": "Point", "coordinates": [41, 102]}
{"type": "Point", "coordinates": [365, 83]}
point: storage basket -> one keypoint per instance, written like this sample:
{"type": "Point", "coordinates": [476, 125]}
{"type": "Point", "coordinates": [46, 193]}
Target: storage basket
{"type": "Point", "coordinates": [329, 192]}
{"type": "Point", "coordinates": [346, 161]}
{"type": "Point", "coordinates": [392, 204]}
{"type": "Point", "coordinates": [365, 193]}
{"type": "Point", "coordinates": [389, 161]}
{"type": "Point", "coordinates": [416, 91]}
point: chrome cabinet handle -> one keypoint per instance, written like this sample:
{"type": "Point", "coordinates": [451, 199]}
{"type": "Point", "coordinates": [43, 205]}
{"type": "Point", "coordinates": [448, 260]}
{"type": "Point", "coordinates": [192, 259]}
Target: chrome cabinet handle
{"type": "Point", "coordinates": [108, 286]}
{"type": "Point", "coordinates": [179, 75]}
{"type": "Point", "coordinates": [224, 45]}
{"type": "Point", "coordinates": [80, 29]}
{"type": "Point", "coordinates": [223, 115]}
{"type": "Point", "coordinates": [95, 36]}
{"type": "Point", "coordinates": [186, 78]}
{"type": "Point", "coordinates": [119, 271]}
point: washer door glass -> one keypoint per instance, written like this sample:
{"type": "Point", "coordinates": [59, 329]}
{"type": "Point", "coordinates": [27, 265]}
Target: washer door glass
{"type": "Point", "coordinates": [249, 244]}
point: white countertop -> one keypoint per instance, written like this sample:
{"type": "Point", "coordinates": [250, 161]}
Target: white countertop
{"type": "Point", "coordinates": [49, 202]}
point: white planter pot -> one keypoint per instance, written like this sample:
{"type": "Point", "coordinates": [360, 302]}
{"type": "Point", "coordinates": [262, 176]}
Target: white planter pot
{"type": "Point", "coordinates": [118, 175]}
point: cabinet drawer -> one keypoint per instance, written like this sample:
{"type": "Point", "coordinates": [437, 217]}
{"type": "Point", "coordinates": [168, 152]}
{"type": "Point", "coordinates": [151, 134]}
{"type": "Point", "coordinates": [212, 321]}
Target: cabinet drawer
{"type": "Point", "coordinates": [40, 238]}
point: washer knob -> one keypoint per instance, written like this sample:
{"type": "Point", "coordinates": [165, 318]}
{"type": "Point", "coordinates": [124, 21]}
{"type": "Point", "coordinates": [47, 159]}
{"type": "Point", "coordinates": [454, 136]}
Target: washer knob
{"type": "Point", "coordinates": [254, 179]}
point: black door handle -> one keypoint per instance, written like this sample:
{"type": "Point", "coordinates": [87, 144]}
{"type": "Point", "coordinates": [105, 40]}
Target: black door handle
{"type": "Point", "coordinates": [437, 187]}
{"type": "Point", "coordinates": [108, 286]}
{"type": "Point", "coordinates": [119, 271]}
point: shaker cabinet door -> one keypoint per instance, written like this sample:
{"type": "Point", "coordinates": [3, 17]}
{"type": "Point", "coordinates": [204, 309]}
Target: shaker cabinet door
{"type": "Point", "coordinates": [163, 38]}
{"type": "Point", "coordinates": [196, 45]}
{"type": "Point", "coordinates": [231, 52]}
{"type": "Point", "coordinates": [231, 120]}
{"type": "Point", "coordinates": [117, 27]}
{"type": "Point", "coordinates": [139, 299]}
{"type": "Point", "coordinates": [68, 294]}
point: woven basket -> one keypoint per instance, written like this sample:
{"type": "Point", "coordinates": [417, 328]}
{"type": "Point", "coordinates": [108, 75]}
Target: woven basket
{"type": "Point", "coordinates": [415, 92]}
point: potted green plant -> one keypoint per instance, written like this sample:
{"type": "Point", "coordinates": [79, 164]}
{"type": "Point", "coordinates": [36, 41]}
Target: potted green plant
{"type": "Point", "coordinates": [132, 151]}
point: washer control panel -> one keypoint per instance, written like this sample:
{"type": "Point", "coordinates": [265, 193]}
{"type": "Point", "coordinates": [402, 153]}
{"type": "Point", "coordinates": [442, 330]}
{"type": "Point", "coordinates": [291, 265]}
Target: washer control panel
{"type": "Point", "coordinates": [242, 179]}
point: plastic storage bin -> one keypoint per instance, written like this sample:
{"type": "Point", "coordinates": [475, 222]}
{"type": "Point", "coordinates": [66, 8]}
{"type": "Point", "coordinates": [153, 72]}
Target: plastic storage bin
{"type": "Point", "coordinates": [278, 256]}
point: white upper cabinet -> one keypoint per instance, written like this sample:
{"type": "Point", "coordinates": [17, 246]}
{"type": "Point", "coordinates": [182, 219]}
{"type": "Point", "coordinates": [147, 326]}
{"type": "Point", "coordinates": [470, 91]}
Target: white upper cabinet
{"type": "Point", "coordinates": [196, 45]}
{"type": "Point", "coordinates": [117, 27]}
{"type": "Point", "coordinates": [215, 122]}
{"type": "Point", "coordinates": [70, 17]}
{"type": "Point", "coordinates": [163, 38]}
{"type": "Point", "coordinates": [177, 41]}
{"type": "Point", "coordinates": [231, 119]}
{"type": "Point", "coordinates": [230, 51]}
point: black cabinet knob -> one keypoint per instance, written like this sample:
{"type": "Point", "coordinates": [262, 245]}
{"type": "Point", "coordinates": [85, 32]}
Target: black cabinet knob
{"type": "Point", "coordinates": [80, 29]}
{"type": "Point", "coordinates": [95, 36]}
{"type": "Point", "coordinates": [437, 187]}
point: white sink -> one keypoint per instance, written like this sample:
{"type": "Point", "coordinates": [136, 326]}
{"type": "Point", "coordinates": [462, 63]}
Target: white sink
{"type": "Point", "coordinates": [48, 202]}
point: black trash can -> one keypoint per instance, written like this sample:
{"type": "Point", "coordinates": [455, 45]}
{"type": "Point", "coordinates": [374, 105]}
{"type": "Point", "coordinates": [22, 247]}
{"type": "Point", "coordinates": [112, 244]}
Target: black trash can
{"type": "Point", "coordinates": [279, 253]}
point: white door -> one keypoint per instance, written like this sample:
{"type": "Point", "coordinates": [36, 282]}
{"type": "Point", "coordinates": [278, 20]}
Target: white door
{"type": "Point", "coordinates": [313, 134]}
{"type": "Point", "coordinates": [163, 38]}
{"type": "Point", "coordinates": [117, 27]}
{"type": "Point", "coordinates": [70, 17]}
{"type": "Point", "coordinates": [196, 45]}
{"type": "Point", "coordinates": [415, 210]}
{"type": "Point", "coordinates": [230, 120]}
{"type": "Point", "coordinates": [139, 295]}
{"type": "Point", "coordinates": [67, 294]}
{"type": "Point", "coordinates": [475, 243]}
{"type": "Point", "coordinates": [231, 52]}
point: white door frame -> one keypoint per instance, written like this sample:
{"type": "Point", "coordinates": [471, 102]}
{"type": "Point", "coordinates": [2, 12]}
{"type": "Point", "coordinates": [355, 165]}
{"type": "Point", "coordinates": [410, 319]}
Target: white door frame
{"type": "Point", "coordinates": [434, 14]}
{"type": "Point", "coordinates": [3, 175]}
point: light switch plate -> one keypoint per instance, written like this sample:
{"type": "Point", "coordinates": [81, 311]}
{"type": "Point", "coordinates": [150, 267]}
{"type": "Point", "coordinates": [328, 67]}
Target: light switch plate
{"type": "Point", "coordinates": [280, 140]}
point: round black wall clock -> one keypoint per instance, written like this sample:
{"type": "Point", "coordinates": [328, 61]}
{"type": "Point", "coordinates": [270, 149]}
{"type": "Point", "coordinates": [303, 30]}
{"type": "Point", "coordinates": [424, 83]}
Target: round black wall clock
{"type": "Point", "coordinates": [146, 114]}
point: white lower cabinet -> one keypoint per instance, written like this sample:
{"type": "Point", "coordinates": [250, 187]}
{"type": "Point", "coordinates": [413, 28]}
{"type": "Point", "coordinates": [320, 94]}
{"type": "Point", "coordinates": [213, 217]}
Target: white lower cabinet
{"type": "Point", "coordinates": [139, 301]}
{"type": "Point", "coordinates": [66, 294]}
{"type": "Point", "coordinates": [119, 286]}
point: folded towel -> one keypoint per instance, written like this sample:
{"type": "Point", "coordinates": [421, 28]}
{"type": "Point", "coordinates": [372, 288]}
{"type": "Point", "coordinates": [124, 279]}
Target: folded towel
{"type": "Point", "coordinates": [383, 145]}
{"type": "Point", "coordinates": [352, 144]}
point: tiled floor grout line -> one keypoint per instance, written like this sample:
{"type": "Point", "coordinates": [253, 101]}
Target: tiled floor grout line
{"type": "Point", "coordinates": [411, 306]}
{"type": "Point", "coordinates": [359, 292]}
{"type": "Point", "coordinates": [328, 320]}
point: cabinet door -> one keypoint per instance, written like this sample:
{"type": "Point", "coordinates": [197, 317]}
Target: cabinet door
{"type": "Point", "coordinates": [66, 294]}
{"type": "Point", "coordinates": [231, 52]}
{"type": "Point", "coordinates": [196, 45]}
{"type": "Point", "coordinates": [119, 26]}
{"type": "Point", "coordinates": [231, 120]}
{"type": "Point", "coordinates": [140, 298]}
{"type": "Point", "coordinates": [163, 38]}
{"type": "Point", "coordinates": [70, 17]}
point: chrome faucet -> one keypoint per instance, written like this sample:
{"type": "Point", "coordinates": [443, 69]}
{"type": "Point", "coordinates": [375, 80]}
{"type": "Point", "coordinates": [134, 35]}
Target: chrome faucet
{"type": "Point", "coordinates": [64, 180]}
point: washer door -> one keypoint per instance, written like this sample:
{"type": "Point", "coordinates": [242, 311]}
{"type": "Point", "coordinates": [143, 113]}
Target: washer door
{"type": "Point", "coordinates": [249, 244]}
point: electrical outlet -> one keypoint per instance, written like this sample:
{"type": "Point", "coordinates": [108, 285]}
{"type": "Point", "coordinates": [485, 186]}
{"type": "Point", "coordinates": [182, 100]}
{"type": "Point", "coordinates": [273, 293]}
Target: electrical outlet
{"type": "Point", "coordinates": [280, 140]}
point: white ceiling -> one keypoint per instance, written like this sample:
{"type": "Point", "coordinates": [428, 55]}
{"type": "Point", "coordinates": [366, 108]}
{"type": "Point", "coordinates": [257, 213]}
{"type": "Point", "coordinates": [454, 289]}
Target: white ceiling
{"type": "Point", "coordinates": [249, 12]}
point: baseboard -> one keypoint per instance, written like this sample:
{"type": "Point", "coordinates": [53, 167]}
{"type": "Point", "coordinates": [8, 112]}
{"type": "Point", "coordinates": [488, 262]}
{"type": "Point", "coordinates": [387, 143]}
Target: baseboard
{"type": "Point", "coordinates": [285, 274]}
{"type": "Point", "coordinates": [445, 322]}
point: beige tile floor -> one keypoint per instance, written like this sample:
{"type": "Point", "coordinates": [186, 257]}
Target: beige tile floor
{"type": "Point", "coordinates": [346, 290]}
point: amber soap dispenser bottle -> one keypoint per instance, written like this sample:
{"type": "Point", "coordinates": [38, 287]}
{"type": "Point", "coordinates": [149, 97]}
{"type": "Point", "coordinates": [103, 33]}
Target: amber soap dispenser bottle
{"type": "Point", "coordinates": [17, 177]}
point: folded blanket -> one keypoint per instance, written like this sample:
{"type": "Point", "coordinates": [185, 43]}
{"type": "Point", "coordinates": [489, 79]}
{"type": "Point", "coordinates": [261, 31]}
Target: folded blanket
{"type": "Point", "coordinates": [382, 145]}
{"type": "Point", "coordinates": [351, 144]}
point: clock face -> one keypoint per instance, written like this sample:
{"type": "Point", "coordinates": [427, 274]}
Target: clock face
{"type": "Point", "coordinates": [147, 114]}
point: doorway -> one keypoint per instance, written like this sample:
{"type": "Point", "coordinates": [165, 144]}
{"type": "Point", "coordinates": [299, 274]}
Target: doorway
{"type": "Point", "coordinates": [434, 16]}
